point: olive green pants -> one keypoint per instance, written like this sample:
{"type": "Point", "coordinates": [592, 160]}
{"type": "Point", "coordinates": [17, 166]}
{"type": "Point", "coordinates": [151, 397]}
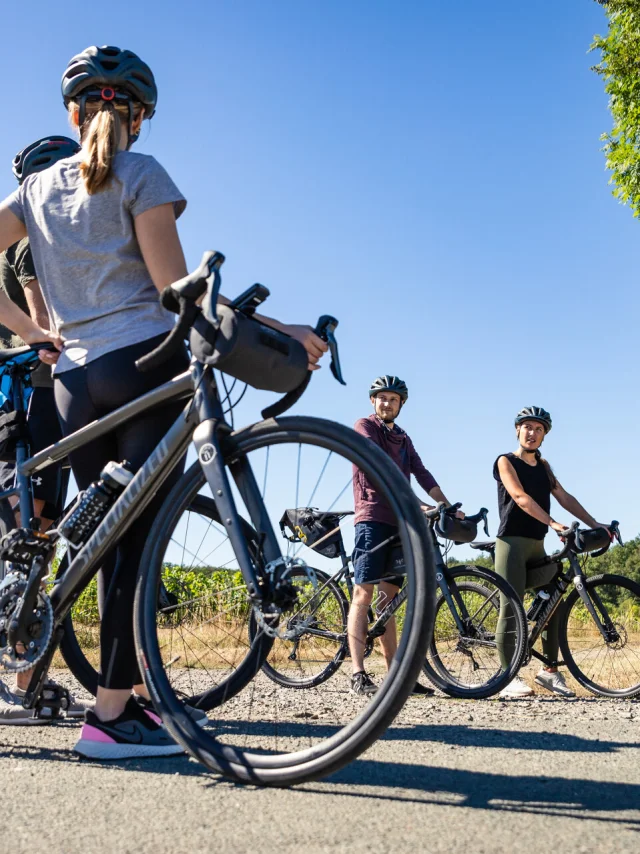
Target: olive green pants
{"type": "Point", "coordinates": [513, 556]}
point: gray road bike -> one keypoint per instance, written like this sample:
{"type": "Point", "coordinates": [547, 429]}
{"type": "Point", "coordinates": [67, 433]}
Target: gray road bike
{"type": "Point", "coordinates": [253, 736]}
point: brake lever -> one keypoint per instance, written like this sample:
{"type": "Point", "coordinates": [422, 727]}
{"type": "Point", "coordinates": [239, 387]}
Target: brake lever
{"type": "Point", "coordinates": [614, 527]}
{"type": "Point", "coordinates": [325, 329]}
{"type": "Point", "coordinates": [485, 513]}
{"type": "Point", "coordinates": [210, 300]}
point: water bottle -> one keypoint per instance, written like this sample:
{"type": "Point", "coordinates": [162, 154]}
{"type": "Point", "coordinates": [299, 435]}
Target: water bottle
{"type": "Point", "coordinates": [94, 502]}
{"type": "Point", "coordinates": [538, 604]}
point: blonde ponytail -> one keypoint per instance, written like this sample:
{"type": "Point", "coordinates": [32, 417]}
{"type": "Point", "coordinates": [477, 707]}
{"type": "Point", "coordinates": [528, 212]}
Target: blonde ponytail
{"type": "Point", "coordinates": [100, 136]}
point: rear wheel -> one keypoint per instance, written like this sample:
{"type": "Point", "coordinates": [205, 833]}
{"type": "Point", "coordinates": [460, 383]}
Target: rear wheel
{"type": "Point", "coordinates": [609, 664]}
{"type": "Point", "coordinates": [269, 734]}
{"type": "Point", "coordinates": [317, 645]}
{"type": "Point", "coordinates": [463, 659]}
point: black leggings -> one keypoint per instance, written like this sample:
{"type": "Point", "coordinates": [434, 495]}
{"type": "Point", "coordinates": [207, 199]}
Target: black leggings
{"type": "Point", "coordinates": [83, 395]}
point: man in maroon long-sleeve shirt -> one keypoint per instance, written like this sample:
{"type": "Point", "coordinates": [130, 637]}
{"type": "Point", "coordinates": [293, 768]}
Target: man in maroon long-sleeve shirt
{"type": "Point", "coordinates": [376, 526]}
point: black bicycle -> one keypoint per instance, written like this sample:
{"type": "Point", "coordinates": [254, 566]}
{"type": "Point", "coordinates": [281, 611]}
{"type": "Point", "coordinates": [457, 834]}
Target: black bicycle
{"type": "Point", "coordinates": [462, 658]}
{"type": "Point", "coordinates": [599, 628]}
{"type": "Point", "coordinates": [254, 735]}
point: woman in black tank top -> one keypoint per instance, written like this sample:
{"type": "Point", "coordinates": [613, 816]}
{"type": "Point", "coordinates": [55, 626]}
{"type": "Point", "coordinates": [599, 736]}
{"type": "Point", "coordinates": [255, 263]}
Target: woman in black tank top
{"type": "Point", "coordinates": [525, 486]}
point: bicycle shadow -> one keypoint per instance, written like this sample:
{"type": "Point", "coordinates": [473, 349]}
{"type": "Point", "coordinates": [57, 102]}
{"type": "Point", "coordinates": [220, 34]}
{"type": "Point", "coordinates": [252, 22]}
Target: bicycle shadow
{"type": "Point", "coordinates": [451, 734]}
{"type": "Point", "coordinates": [467, 736]}
{"type": "Point", "coordinates": [389, 781]}
{"type": "Point", "coordinates": [581, 799]}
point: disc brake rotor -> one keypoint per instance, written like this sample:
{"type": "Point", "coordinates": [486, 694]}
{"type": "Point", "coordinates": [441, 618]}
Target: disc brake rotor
{"type": "Point", "coordinates": [283, 596]}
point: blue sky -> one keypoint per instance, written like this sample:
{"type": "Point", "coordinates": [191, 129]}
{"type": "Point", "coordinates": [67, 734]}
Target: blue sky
{"type": "Point", "coordinates": [428, 172]}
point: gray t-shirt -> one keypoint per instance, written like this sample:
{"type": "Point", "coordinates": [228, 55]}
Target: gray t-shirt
{"type": "Point", "coordinates": [95, 283]}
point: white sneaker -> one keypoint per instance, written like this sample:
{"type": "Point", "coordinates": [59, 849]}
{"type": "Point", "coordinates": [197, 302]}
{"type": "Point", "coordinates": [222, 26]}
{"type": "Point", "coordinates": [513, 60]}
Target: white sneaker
{"type": "Point", "coordinates": [71, 706]}
{"type": "Point", "coordinates": [554, 682]}
{"type": "Point", "coordinates": [517, 689]}
{"type": "Point", "coordinates": [12, 712]}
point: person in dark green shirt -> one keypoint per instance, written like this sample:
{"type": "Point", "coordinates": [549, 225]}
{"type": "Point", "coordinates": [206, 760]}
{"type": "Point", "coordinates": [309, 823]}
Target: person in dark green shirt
{"type": "Point", "coordinates": [18, 279]}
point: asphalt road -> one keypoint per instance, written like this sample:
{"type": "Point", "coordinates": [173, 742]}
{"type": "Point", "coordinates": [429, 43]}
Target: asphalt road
{"type": "Point", "coordinates": [489, 776]}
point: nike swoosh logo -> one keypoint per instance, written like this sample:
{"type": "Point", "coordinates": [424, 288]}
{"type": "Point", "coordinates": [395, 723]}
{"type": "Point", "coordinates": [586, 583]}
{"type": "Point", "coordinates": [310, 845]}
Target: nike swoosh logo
{"type": "Point", "coordinates": [132, 732]}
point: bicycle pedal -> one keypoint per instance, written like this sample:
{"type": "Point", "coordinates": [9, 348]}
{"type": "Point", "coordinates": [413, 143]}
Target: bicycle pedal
{"type": "Point", "coordinates": [47, 713]}
{"type": "Point", "coordinates": [53, 701]}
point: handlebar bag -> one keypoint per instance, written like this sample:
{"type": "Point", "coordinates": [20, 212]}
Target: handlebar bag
{"type": "Point", "coordinates": [319, 531]}
{"type": "Point", "coordinates": [591, 540]}
{"type": "Point", "coordinates": [251, 352]}
{"type": "Point", "coordinates": [459, 530]}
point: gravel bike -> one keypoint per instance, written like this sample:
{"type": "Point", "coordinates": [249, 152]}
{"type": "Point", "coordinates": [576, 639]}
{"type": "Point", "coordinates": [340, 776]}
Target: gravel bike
{"type": "Point", "coordinates": [599, 628]}
{"type": "Point", "coordinates": [462, 658]}
{"type": "Point", "coordinates": [252, 735]}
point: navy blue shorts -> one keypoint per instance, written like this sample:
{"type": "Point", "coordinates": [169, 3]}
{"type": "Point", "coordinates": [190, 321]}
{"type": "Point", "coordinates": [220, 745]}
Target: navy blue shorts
{"type": "Point", "coordinates": [372, 561]}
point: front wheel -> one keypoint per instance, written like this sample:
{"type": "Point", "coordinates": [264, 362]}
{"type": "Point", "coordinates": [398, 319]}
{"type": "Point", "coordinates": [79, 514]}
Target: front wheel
{"type": "Point", "coordinates": [604, 658]}
{"type": "Point", "coordinates": [463, 659]}
{"type": "Point", "coordinates": [268, 734]}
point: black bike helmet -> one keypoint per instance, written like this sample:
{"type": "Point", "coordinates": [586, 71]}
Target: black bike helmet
{"type": "Point", "coordinates": [110, 68]}
{"type": "Point", "coordinates": [113, 76]}
{"type": "Point", "coordinates": [534, 413]}
{"type": "Point", "coordinates": [42, 154]}
{"type": "Point", "coordinates": [389, 383]}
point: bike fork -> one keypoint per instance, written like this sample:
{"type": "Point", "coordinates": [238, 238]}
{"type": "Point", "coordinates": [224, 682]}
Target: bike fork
{"type": "Point", "coordinates": [449, 599]}
{"type": "Point", "coordinates": [581, 587]}
{"type": "Point", "coordinates": [207, 440]}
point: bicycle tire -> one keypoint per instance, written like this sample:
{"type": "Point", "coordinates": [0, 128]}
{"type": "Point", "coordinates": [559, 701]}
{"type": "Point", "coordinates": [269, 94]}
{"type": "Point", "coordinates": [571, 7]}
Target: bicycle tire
{"type": "Point", "coordinates": [241, 762]}
{"type": "Point", "coordinates": [631, 658]}
{"type": "Point", "coordinates": [72, 649]}
{"type": "Point", "coordinates": [328, 589]}
{"type": "Point", "coordinates": [478, 638]}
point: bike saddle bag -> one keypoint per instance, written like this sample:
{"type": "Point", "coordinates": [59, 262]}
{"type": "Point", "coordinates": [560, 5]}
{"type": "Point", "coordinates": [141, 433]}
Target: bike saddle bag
{"type": "Point", "coordinates": [251, 352]}
{"type": "Point", "coordinates": [319, 531]}
{"type": "Point", "coordinates": [459, 530]}
{"type": "Point", "coordinates": [591, 540]}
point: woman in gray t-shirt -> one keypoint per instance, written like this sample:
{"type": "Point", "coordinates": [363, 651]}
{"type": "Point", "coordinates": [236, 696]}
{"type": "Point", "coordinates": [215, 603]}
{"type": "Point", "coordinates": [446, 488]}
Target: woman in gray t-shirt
{"type": "Point", "coordinates": [102, 229]}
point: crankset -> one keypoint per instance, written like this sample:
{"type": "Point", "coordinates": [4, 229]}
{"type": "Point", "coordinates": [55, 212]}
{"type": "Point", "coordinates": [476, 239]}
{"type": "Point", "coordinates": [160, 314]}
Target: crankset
{"type": "Point", "coordinates": [34, 627]}
{"type": "Point", "coordinates": [26, 613]}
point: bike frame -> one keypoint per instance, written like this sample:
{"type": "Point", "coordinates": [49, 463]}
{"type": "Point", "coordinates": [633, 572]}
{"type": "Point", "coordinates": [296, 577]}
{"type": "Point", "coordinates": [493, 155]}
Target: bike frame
{"type": "Point", "coordinates": [202, 422]}
{"type": "Point", "coordinates": [574, 574]}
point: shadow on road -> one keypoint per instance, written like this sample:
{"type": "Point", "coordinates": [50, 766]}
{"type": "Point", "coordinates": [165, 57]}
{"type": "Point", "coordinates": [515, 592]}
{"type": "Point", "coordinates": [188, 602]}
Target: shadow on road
{"type": "Point", "coordinates": [553, 796]}
{"type": "Point", "coordinates": [462, 736]}
{"type": "Point", "coordinates": [600, 800]}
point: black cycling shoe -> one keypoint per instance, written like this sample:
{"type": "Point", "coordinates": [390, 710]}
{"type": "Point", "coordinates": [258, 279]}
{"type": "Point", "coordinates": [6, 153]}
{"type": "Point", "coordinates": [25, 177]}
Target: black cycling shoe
{"type": "Point", "coordinates": [422, 691]}
{"type": "Point", "coordinates": [197, 715]}
{"type": "Point", "coordinates": [362, 685]}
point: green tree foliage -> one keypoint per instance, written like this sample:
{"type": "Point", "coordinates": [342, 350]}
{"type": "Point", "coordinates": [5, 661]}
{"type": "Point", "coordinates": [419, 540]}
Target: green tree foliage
{"type": "Point", "coordinates": [619, 67]}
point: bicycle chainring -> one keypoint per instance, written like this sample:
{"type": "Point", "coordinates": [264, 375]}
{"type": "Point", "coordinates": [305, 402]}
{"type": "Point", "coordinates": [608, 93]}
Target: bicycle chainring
{"type": "Point", "coordinates": [39, 625]}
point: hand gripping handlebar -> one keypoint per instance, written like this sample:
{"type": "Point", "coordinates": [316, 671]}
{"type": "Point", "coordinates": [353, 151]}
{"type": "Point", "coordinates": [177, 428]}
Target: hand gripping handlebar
{"type": "Point", "coordinates": [181, 298]}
